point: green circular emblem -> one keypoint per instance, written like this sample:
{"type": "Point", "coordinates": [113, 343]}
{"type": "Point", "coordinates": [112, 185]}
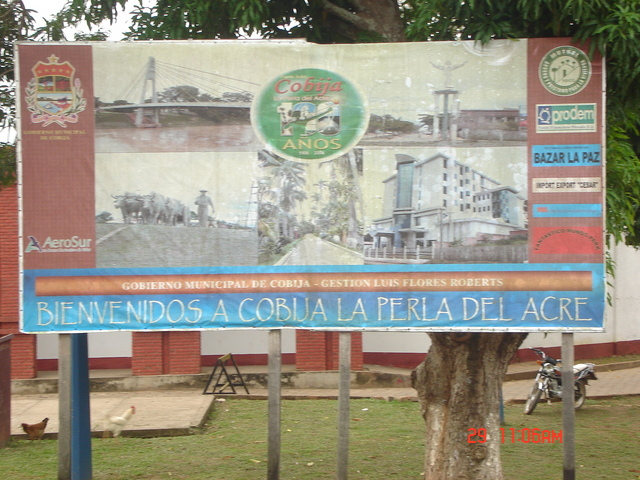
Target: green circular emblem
{"type": "Point", "coordinates": [309, 114]}
{"type": "Point", "coordinates": [565, 70]}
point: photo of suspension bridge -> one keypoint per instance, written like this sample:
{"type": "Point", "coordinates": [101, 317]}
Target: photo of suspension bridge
{"type": "Point", "coordinates": [169, 107]}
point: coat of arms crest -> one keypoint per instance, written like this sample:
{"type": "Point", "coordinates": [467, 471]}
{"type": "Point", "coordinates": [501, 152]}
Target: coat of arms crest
{"type": "Point", "coordinates": [53, 95]}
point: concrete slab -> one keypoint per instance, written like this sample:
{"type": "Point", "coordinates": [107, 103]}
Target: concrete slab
{"type": "Point", "coordinates": [166, 413]}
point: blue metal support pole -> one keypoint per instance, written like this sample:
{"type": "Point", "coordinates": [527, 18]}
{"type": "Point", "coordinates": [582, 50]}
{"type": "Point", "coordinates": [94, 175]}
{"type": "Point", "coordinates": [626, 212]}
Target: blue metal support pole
{"type": "Point", "coordinates": [74, 436]}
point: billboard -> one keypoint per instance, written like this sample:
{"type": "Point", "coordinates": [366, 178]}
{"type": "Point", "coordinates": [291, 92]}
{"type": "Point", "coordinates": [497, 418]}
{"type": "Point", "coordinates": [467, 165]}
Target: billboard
{"type": "Point", "coordinates": [266, 184]}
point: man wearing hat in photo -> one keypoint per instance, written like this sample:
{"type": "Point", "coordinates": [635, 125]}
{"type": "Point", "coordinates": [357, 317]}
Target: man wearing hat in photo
{"type": "Point", "coordinates": [203, 202]}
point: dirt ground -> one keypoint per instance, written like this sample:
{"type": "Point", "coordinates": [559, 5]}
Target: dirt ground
{"type": "Point", "coordinates": [144, 246]}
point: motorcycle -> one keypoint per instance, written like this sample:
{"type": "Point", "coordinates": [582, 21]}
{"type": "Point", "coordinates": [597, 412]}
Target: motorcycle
{"type": "Point", "coordinates": [549, 381]}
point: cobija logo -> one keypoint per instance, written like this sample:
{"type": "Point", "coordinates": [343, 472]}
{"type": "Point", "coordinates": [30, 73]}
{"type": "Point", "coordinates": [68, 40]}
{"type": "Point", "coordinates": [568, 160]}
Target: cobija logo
{"type": "Point", "coordinates": [73, 244]}
{"type": "Point", "coordinates": [310, 114]}
{"type": "Point", "coordinates": [53, 95]}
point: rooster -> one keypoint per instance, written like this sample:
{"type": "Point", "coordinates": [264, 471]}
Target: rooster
{"type": "Point", "coordinates": [35, 431]}
{"type": "Point", "coordinates": [116, 423]}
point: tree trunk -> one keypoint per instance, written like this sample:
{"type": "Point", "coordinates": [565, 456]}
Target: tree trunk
{"type": "Point", "coordinates": [459, 385]}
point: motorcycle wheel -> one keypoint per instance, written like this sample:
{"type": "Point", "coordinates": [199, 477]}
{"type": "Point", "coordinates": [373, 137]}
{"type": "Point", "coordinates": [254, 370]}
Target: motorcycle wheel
{"type": "Point", "coordinates": [532, 400]}
{"type": "Point", "coordinates": [580, 394]}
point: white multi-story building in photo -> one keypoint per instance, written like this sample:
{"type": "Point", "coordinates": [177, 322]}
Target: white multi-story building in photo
{"type": "Point", "coordinates": [441, 201]}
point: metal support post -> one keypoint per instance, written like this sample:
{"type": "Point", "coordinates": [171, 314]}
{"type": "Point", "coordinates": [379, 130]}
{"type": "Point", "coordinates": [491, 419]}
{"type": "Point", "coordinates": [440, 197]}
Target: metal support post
{"type": "Point", "coordinates": [343, 405]}
{"type": "Point", "coordinates": [74, 435]}
{"type": "Point", "coordinates": [568, 413]}
{"type": "Point", "coordinates": [275, 369]}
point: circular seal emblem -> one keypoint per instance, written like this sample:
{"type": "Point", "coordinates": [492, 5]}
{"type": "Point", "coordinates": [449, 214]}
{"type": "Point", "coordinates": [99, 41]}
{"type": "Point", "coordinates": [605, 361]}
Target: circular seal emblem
{"type": "Point", "coordinates": [565, 70]}
{"type": "Point", "coordinates": [309, 114]}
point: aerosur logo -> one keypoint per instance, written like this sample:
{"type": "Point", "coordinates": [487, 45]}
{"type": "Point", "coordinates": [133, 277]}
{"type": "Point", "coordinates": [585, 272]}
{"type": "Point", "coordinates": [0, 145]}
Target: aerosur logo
{"type": "Point", "coordinates": [56, 245]}
{"type": "Point", "coordinates": [309, 114]}
{"type": "Point", "coordinates": [565, 71]}
{"type": "Point", "coordinates": [53, 95]}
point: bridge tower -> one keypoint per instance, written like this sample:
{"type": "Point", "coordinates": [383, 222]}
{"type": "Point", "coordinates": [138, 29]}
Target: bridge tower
{"type": "Point", "coordinates": [148, 117]}
{"type": "Point", "coordinates": [251, 219]}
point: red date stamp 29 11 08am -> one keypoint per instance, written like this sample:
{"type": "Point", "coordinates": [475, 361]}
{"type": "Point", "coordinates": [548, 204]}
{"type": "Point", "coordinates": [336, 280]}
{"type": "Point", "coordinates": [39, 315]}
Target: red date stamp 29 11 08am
{"type": "Point", "coordinates": [516, 435]}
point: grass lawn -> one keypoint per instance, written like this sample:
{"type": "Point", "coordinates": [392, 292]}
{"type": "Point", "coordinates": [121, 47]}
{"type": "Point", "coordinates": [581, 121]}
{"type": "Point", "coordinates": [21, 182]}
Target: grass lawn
{"type": "Point", "coordinates": [386, 442]}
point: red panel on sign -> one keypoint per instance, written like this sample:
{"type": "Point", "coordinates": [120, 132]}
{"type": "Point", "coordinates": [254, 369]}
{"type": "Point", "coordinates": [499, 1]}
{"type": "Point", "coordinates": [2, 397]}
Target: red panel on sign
{"type": "Point", "coordinates": [567, 240]}
{"type": "Point", "coordinates": [57, 128]}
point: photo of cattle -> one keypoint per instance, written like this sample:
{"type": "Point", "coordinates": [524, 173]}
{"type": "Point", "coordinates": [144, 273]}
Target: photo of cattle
{"type": "Point", "coordinates": [152, 209]}
{"type": "Point", "coordinates": [174, 210]}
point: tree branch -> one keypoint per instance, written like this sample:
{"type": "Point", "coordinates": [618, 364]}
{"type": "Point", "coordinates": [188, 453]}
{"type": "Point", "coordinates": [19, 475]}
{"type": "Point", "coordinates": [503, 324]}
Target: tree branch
{"type": "Point", "coordinates": [380, 17]}
{"type": "Point", "coordinates": [347, 16]}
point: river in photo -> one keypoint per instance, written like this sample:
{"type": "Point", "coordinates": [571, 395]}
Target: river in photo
{"type": "Point", "coordinates": [201, 138]}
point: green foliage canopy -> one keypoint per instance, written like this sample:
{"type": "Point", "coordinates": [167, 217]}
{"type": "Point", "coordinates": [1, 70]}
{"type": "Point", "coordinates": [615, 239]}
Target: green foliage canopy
{"type": "Point", "coordinates": [16, 21]}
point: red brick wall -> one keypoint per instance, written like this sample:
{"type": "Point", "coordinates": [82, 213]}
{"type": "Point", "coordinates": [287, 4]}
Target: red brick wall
{"type": "Point", "coordinates": [147, 353]}
{"type": "Point", "coordinates": [23, 347]}
{"type": "Point", "coordinates": [165, 353]}
{"type": "Point", "coordinates": [23, 356]}
{"type": "Point", "coordinates": [184, 353]}
{"type": "Point", "coordinates": [317, 351]}
{"type": "Point", "coordinates": [357, 356]}
{"type": "Point", "coordinates": [310, 350]}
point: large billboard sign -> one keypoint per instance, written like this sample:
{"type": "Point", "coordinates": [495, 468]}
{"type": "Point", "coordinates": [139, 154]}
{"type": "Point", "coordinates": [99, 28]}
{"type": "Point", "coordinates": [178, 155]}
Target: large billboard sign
{"type": "Point", "coordinates": [436, 186]}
